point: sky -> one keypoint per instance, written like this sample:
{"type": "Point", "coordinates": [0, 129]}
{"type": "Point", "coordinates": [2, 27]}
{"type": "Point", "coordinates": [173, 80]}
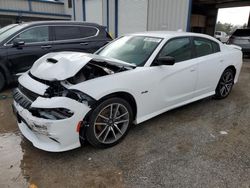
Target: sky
{"type": "Point", "coordinates": [235, 16]}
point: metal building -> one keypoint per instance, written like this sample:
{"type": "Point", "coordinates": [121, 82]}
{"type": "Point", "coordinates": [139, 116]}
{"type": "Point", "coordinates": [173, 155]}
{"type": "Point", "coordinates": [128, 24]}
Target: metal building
{"type": "Point", "coordinates": [122, 16]}
{"type": "Point", "coordinates": [12, 11]}
{"type": "Point", "coordinates": [126, 16]}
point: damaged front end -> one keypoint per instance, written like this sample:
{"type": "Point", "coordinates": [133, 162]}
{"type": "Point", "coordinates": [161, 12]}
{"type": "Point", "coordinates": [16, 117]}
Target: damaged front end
{"type": "Point", "coordinates": [47, 110]}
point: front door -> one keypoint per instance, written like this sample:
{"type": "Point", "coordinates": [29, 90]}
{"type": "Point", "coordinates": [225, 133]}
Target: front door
{"type": "Point", "coordinates": [36, 44]}
{"type": "Point", "coordinates": [176, 83]}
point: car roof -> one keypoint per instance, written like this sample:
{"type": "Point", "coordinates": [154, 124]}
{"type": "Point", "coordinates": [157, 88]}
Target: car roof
{"type": "Point", "coordinates": [58, 22]}
{"type": "Point", "coordinates": [171, 34]}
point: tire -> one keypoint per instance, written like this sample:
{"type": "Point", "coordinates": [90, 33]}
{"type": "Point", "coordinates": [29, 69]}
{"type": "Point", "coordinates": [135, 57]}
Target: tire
{"type": "Point", "coordinates": [106, 131]}
{"type": "Point", "coordinates": [2, 81]}
{"type": "Point", "coordinates": [225, 84]}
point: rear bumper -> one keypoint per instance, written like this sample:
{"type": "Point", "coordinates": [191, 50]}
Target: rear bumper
{"type": "Point", "coordinates": [51, 135]}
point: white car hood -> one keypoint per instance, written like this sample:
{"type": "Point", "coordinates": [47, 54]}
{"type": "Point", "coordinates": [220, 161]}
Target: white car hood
{"type": "Point", "coordinates": [63, 65]}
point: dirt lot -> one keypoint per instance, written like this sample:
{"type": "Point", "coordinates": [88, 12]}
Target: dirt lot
{"type": "Point", "coordinates": [204, 144]}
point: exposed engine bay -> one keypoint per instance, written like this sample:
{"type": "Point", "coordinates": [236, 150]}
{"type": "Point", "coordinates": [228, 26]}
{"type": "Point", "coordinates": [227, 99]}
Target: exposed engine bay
{"type": "Point", "coordinates": [95, 69]}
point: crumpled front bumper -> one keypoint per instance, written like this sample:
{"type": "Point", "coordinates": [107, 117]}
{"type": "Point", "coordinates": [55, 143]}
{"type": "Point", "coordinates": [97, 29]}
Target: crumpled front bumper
{"type": "Point", "coordinates": [51, 135]}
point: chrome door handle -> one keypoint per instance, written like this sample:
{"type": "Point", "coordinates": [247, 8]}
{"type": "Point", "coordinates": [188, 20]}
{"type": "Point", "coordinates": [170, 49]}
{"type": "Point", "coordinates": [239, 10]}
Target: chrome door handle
{"type": "Point", "coordinates": [84, 43]}
{"type": "Point", "coordinates": [192, 70]}
{"type": "Point", "coordinates": [46, 47]}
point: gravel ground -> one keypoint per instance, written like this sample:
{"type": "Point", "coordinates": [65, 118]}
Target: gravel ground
{"type": "Point", "coordinates": [203, 144]}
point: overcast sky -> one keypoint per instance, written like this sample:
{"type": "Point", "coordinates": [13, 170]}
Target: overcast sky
{"type": "Point", "coordinates": [235, 16]}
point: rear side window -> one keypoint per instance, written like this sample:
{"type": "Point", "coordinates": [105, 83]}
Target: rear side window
{"type": "Point", "coordinates": [216, 47]}
{"type": "Point", "coordinates": [74, 32]}
{"type": "Point", "coordinates": [88, 31]}
{"type": "Point", "coordinates": [242, 33]}
{"type": "Point", "coordinates": [67, 32]}
{"type": "Point", "coordinates": [179, 48]}
{"type": "Point", "coordinates": [202, 47]}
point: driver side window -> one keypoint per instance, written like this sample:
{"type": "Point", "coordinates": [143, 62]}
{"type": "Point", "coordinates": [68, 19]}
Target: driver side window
{"type": "Point", "coordinates": [37, 34]}
{"type": "Point", "coordinates": [179, 48]}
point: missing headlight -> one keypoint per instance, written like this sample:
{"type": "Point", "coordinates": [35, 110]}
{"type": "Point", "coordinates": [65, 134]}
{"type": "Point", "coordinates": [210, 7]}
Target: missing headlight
{"type": "Point", "coordinates": [80, 97]}
{"type": "Point", "coordinates": [52, 113]}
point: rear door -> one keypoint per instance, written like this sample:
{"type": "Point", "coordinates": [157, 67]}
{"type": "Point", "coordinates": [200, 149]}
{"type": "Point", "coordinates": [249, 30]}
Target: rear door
{"type": "Point", "coordinates": [210, 65]}
{"type": "Point", "coordinates": [76, 38]}
{"type": "Point", "coordinates": [37, 42]}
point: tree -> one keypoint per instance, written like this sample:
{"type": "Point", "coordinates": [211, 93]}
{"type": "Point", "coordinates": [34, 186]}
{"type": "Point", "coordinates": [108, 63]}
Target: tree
{"type": "Point", "coordinates": [228, 27]}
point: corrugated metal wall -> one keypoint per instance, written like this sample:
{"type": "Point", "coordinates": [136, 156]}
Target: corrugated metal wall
{"type": "Point", "coordinates": [168, 14]}
{"type": "Point", "coordinates": [132, 16]}
{"type": "Point", "coordinates": [14, 4]}
{"type": "Point", "coordinates": [94, 11]}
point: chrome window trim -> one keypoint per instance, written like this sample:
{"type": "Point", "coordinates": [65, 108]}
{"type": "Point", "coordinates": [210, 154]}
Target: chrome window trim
{"type": "Point", "coordinates": [51, 41]}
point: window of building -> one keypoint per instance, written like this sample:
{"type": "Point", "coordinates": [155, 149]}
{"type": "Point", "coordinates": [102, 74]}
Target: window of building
{"type": "Point", "coordinates": [69, 3]}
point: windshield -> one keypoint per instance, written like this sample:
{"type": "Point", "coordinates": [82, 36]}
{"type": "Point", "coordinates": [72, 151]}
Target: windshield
{"type": "Point", "coordinates": [132, 49]}
{"type": "Point", "coordinates": [11, 29]}
{"type": "Point", "coordinates": [2, 30]}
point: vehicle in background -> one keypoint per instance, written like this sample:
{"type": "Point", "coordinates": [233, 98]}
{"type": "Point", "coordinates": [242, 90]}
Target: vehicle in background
{"type": "Point", "coordinates": [221, 36]}
{"type": "Point", "coordinates": [241, 37]}
{"type": "Point", "coordinates": [22, 44]}
{"type": "Point", "coordinates": [69, 97]}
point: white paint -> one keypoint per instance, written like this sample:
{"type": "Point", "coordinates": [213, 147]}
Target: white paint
{"type": "Point", "coordinates": [167, 87]}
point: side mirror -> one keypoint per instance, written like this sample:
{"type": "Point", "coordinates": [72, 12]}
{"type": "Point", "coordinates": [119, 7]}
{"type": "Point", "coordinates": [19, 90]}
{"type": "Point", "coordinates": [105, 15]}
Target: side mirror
{"type": "Point", "coordinates": [166, 60]}
{"type": "Point", "coordinates": [17, 43]}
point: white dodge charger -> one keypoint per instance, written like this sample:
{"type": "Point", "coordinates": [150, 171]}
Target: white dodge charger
{"type": "Point", "coordinates": [69, 97]}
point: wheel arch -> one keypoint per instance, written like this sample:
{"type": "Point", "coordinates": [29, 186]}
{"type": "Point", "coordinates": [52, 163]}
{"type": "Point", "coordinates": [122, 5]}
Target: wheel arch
{"type": "Point", "coordinates": [121, 94]}
{"type": "Point", "coordinates": [124, 95]}
{"type": "Point", "coordinates": [232, 67]}
{"type": "Point", "coordinates": [6, 73]}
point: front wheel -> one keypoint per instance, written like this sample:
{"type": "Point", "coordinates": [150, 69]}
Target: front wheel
{"type": "Point", "coordinates": [109, 122]}
{"type": "Point", "coordinates": [225, 84]}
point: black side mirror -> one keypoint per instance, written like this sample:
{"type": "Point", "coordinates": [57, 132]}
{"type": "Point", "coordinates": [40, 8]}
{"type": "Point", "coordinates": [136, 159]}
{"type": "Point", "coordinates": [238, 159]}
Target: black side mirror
{"type": "Point", "coordinates": [166, 60]}
{"type": "Point", "coordinates": [17, 43]}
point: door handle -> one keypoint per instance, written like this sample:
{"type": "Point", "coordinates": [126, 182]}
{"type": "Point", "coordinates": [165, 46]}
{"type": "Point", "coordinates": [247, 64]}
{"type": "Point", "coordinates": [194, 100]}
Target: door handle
{"type": "Point", "coordinates": [192, 70]}
{"type": "Point", "coordinates": [46, 47]}
{"type": "Point", "coordinates": [221, 61]}
{"type": "Point", "coordinates": [84, 43]}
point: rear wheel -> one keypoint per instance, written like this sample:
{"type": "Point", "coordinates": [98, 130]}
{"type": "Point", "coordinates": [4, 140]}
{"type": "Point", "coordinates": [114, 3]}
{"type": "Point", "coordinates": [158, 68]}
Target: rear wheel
{"type": "Point", "coordinates": [2, 81]}
{"type": "Point", "coordinates": [225, 84]}
{"type": "Point", "coordinates": [109, 122]}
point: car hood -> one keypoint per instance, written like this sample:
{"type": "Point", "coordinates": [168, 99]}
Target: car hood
{"type": "Point", "coordinates": [63, 65]}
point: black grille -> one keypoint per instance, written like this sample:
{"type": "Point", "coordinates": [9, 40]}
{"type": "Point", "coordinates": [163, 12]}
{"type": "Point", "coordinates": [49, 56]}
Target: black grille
{"type": "Point", "coordinates": [24, 97]}
{"type": "Point", "coordinates": [21, 99]}
{"type": "Point", "coordinates": [29, 94]}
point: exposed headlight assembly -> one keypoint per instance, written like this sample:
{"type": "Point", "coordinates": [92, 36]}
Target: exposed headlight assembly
{"type": "Point", "coordinates": [51, 113]}
{"type": "Point", "coordinates": [80, 97]}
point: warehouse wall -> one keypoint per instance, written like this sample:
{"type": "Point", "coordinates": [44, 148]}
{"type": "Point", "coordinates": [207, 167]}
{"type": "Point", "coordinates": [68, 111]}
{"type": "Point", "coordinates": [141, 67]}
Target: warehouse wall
{"type": "Point", "coordinates": [168, 14]}
{"type": "Point", "coordinates": [128, 16]}
{"type": "Point", "coordinates": [94, 11]}
{"type": "Point", "coordinates": [132, 16]}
